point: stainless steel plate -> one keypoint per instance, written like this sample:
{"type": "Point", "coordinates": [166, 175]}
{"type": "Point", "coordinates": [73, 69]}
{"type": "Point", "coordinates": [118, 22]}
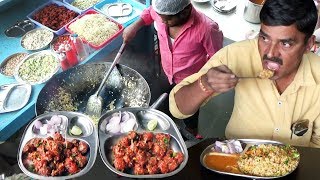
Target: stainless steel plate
{"type": "Point", "coordinates": [143, 116]}
{"type": "Point", "coordinates": [245, 143]}
{"type": "Point", "coordinates": [119, 9]}
{"type": "Point", "coordinates": [36, 39]}
{"type": "Point", "coordinates": [89, 136]}
{"type": "Point", "coordinates": [36, 67]}
{"type": "Point", "coordinates": [12, 59]}
{"type": "Point", "coordinates": [14, 97]}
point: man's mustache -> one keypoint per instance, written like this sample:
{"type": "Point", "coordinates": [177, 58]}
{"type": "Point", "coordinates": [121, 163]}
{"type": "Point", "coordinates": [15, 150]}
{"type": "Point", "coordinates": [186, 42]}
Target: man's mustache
{"type": "Point", "coordinates": [274, 59]}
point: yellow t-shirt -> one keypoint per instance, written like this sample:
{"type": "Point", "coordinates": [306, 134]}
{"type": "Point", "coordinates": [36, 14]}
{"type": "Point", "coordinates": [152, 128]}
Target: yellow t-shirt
{"type": "Point", "coordinates": [259, 111]}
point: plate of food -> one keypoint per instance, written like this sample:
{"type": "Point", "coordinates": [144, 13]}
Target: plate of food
{"type": "Point", "coordinates": [251, 158]}
{"type": "Point", "coordinates": [37, 67]}
{"type": "Point", "coordinates": [141, 143]}
{"type": "Point", "coordinates": [58, 145]}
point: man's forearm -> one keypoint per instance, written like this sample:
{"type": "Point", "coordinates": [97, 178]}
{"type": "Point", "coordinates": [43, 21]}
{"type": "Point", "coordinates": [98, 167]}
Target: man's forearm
{"type": "Point", "coordinates": [189, 98]}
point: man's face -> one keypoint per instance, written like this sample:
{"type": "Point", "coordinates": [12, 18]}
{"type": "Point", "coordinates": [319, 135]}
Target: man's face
{"type": "Point", "coordinates": [171, 21]}
{"type": "Point", "coordinates": [281, 49]}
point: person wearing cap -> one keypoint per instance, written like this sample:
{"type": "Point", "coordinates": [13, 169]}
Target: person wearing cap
{"type": "Point", "coordinates": [187, 38]}
{"type": "Point", "coordinates": [285, 106]}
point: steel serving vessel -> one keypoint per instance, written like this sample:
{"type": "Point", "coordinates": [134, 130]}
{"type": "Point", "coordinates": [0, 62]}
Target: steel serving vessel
{"type": "Point", "coordinates": [89, 136]}
{"type": "Point", "coordinates": [43, 53]}
{"type": "Point", "coordinates": [245, 143]}
{"type": "Point", "coordinates": [143, 116]}
{"type": "Point", "coordinates": [8, 60]}
{"type": "Point", "coordinates": [83, 80]}
{"type": "Point", "coordinates": [43, 39]}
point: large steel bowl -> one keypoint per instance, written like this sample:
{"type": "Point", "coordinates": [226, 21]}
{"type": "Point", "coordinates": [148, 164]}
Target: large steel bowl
{"type": "Point", "coordinates": [77, 84]}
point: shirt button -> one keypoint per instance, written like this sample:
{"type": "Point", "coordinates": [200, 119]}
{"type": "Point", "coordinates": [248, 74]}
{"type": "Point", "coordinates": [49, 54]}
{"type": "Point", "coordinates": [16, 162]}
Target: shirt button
{"type": "Point", "coordinates": [277, 129]}
{"type": "Point", "coordinates": [279, 103]}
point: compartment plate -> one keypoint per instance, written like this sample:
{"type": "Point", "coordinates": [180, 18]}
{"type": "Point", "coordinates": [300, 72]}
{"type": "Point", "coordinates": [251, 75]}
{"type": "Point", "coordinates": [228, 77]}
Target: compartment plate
{"type": "Point", "coordinates": [143, 116]}
{"type": "Point", "coordinates": [90, 137]}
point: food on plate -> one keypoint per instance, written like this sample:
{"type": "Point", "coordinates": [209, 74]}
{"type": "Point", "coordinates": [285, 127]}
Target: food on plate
{"type": "Point", "coordinates": [54, 156]}
{"type": "Point", "coordinates": [222, 162]}
{"type": "Point", "coordinates": [146, 153]}
{"type": "Point", "coordinates": [11, 63]}
{"type": "Point", "coordinates": [121, 122]}
{"type": "Point", "coordinates": [269, 160]}
{"type": "Point", "coordinates": [261, 160]}
{"type": "Point", "coordinates": [229, 146]}
{"type": "Point", "coordinates": [94, 28]}
{"type": "Point", "coordinates": [266, 74]}
{"type": "Point", "coordinates": [84, 4]}
{"type": "Point", "coordinates": [38, 67]}
{"type": "Point", "coordinates": [58, 41]}
{"type": "Point", "coordinates": [152, 124]}
{"type": "Point", "coordinates": [36, 39]}
{"type": "Point", "coordinates": [76, 130]}
{"type": "Point", "coordinates": [54, 16]}
{"type": "Point", "coordinates": [50, 126]}
{"type": "Point", "coordinates": [62, 101]}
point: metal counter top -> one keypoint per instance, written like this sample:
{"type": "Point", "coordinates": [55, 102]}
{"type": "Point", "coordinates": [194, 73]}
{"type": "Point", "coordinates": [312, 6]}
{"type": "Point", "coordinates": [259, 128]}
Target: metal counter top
{"type": "Point", "coordinates": [233, 26]}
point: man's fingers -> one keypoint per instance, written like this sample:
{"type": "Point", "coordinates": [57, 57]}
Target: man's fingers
{"type": "Point", "coordinates": [224, 69]}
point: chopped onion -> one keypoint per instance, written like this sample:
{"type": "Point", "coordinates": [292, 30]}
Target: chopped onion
{"type": "Point", "coordinates": [115, 119]}
{"type": "Point", "coordinates": [55, 119]}
{"type": "Point", "coordinates": [113, 128]}
{"type": "Point", "coordinates": [121, 122]}
{"type": "Point", "coordinates": [38, 124]}
{"type": "Point", "coordinates": [125, 116]}
{"type": "Point", "coordinates": [44, 129]}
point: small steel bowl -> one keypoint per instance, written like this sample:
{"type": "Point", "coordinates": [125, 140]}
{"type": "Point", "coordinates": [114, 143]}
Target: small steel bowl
{"type": "Point", "coordinates": [31, 38]}
{"type": "Point", "coordinates": [54, 41]}
{"type": "Point", "coordinates": [7, 60]}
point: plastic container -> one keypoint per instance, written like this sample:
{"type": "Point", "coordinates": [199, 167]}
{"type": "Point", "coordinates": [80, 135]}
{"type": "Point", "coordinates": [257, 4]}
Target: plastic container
{"type": "Point", "coordinates": [71, 55]}
{"type": "Point", "coordinates": [63, 61]}
{"type": "Point", "coordinates": [69, 2]}
{"type": "Point", "coordinates": [91, 11]}
{"type": "Point", "coordinates": [137, 8]}
{"type": "Point", "coordinates": [62, 29]}
{"type": "Point", "coordinates": [79, 46]}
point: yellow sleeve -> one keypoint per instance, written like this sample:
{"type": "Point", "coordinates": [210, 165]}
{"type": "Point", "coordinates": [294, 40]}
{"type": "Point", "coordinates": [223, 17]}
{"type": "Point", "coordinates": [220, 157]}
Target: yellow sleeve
{"type": "Point", "coordinates": [214, 61]}
{"type": "Point", "coordinates": [315, 137]}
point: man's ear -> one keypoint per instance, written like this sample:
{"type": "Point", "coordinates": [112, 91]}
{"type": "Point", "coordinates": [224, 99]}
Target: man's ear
{"type": "Point", "coordinates": [310, 43]}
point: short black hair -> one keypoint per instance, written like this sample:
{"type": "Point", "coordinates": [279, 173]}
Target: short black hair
{"type": "Point", "coordinates": [303, 13]}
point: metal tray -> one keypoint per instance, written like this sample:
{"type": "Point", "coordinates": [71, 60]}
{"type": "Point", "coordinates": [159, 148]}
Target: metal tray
{"type": "Point", "coordinates": [14, 96]}
{"type": "Point", "coordinates": [143, 115]}
{"type": "Point", "coordinates": [89, 136]}
{"type": "Point", "coordinates": [19, 29]}
{"type": "Point", "coordinates": [245, 143]}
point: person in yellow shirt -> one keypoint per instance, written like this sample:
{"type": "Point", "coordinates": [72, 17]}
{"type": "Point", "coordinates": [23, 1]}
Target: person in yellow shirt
{"type": "Point", "coordinates": [264, 108]}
